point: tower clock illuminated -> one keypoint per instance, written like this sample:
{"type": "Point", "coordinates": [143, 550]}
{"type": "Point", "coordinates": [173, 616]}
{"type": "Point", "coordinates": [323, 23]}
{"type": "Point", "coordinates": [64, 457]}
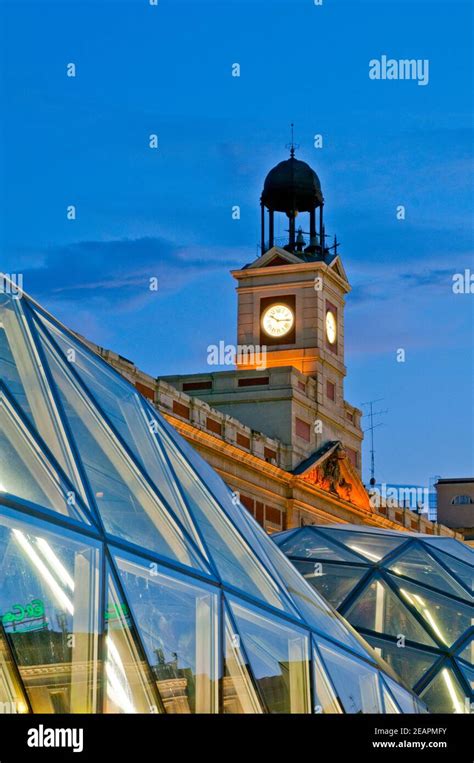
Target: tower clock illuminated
{"type": "Point", "coordinates": [278, 320]}
{"type": "Point", "coordinates": [331, 327]}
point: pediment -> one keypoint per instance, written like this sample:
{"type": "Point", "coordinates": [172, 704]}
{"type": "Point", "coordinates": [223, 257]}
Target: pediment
{"type": "Point", "coordinates": [275, 256]}
{"type": "Point", "coordinates": [330, 469]}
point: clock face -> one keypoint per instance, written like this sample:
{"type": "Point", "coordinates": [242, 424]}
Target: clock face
{"type": "Point", "coordinates": [278, 320]}
{"type": "Point", "coordinates": [331, 327]}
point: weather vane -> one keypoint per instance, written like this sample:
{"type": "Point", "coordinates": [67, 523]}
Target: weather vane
{"type": "Point", "coordinates": [292, 145]}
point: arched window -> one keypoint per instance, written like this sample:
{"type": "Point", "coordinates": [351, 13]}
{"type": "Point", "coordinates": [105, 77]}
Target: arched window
{"type": "Point", "coordinates": [461, 499]}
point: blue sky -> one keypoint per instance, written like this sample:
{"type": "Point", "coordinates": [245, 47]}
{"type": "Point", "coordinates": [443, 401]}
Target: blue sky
{"type": "Point", "coordinates": [167, 212]}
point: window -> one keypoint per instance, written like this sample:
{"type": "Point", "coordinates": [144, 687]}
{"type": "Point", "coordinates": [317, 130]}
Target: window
{"type": "Point", "coordinates": [303, 430]}
{"type": "Point", "coordinates": [331, 390]}
{"type": "Point", "coordinates": [461, 500]}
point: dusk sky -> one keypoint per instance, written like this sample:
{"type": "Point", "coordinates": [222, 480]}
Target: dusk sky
{"type": "Point", "coordinates": [142, 212]}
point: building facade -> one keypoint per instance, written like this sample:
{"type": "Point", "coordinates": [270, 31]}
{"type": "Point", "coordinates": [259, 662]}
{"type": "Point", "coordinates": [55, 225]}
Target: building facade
{"type": "Point", "coordinates": [456, 505]}
{"type": "Point", "coordinates": [278, 428]}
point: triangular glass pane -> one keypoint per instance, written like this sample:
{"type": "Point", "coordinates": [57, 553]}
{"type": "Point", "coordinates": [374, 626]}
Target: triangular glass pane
{"type": "Point", "coordinates": [325, 698]}
{"type": "Point", "coordinates": [26, 471]}
{"type": "Point", "coordinates": [49, 605]}
{"type": "Point", "coordinates": [390, 707]}
{"type": "Point", "coordinates": [279, 657]}
{"type": "Point", "coordinates": [234, 560]}
{"type": "Point", "coordinates": [177, 618]}
{"type": "Point", "coordinates": [27, 381]}
{"type": "Point", "coordinates": [468, 674]}
{"type": "Point", "coordinates": [12, 697]}
{"type": "Point", "coordinates": [408, 663]}
{"type": "Point", "coordinates": [123, 406]}
{"type": "Point", "coordinates": [465, 572]}
{"type": "Point", "coordinates": [372, 547]}
{"type": "Point", "coordinates": [403, 698]}
{"type": "Point", "coordinates": [356, 684]}
{"type": "Point", "coordinates": [444, 694]}
{"type": "Point", "coordinates": [333, 581]}
{"type": "Point", "coordinates": [467, 653]}
{"type": "Point", "coordinates": [417, 564]}
{"type": "Point", "coordinates": [129, 684]}
{"type": "Point", "coordinates": [447, 618]}
{"type": "Point", "coordinates": [239, 695]}
{"type": "Point", "coordinates": [454, 548]}
{"type": "Point", "coordinates": [378, 609]}
{"type": "Point", "coordinates": [318, 614]}
{"type": "Point", "coordinates": [127, 504]}
{"type": "Point", "coordinates": [309, 544]}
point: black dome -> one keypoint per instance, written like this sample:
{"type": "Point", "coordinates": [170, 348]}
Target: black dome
{"type": "Point", "coordinates": [292, 185]}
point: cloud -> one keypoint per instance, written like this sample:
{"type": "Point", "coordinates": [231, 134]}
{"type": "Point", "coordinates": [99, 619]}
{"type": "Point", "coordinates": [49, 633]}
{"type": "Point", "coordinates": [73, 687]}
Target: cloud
{"type": "Point", "coordinates": [116, 273]}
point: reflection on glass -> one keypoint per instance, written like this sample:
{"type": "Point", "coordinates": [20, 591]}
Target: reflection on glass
{"type": "Point", "coordinates": [308, 543]}
{"type": "Point", "coordinates": [333, 581]}
{"type": "Point", "coordinates": [127, 504]}
{"type": "Point", "coordinates": [128, 679]}
{"type": "Point", "coordinates": [239, 695]}
{"type": "Point", "coordinates": [325, 699]}
{"type": "Point", "coordinates": [444, 692]}
{"type": "Point", "coordinates": [373, 547]}
{"type": "Point", "coordinates": [419, 566]}
{"type": "Point", "coordinates": [12, 699]}
{"type": "Point", "coordinates": [390, 706]}
{"type": "Point", "coordinates": [177, 620]}
{"type": "Point", "coordinates": [356, 684]}
{"type": "Point", "coordinates": [127, 412]}
{"type": "Point", "coordinates": [278, 653]}
{"type": "Point", "coordinates": [378, 609]}
{"type": "Point", "coordinates": [49, 612]}
{"type": "Point", "coordinates": [447, 618]}
{"type": "Point", "coordinates": [25, 470]}
{"type": "Point", "coordinates": [410, 664]}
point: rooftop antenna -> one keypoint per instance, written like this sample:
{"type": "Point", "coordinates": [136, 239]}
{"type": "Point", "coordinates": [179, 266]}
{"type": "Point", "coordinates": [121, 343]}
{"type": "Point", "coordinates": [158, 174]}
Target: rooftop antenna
{"type": "Point", "coordinates": [292, 145]}
{"type": "Point", "coordinates": [371, 414]}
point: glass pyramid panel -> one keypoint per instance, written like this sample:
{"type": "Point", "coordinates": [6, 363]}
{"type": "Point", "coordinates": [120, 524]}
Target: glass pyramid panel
{"type": "Point", "coordinates": [134, 422]}
{"type": "Point", "coordinates": [444, 694]}
{"type": "Point", "coordinates": [279, 657]}
{"type": "Point", "coordinates": [452, 547]}
{"type": "Point", "coordinates": [22, 371]}
{"type": "Point", "coordinates": [129, 685]}
{"type": "Point", "coordinates": [447, 618]}
{"type": "Point", "coordinates": [234, 560]}
{"type": "Point", "coordinates": [12, 697]}
{"type": "Point", "coordinates": [371, 547]}
{"type": "Point", "coordinates": [25, 470]}
{"type": "Point", "coordinates": [333, 581]}
{"type": "Point", "coordinates": [378, 609]}
{"type": "Point", "coordinates": [312, 545]}
{"type": "Point", "coordinates": [49, 604]}
{"type": "Point", "coordinates": [404, 700]}
{"type": "Point", "coordinates": [177, 620]}
{"type": "Point", "coordinates": [468, 674]}
{"type": "Point", "coordinates": [467, 653]}
{"type": "Point", "coordinates": [408, 663]}
{"type": "Point", "coordinates": [356, 684]}
{"type": "Point", "coordinates": [325, 697]}
{"type": "Point", "coordinates": [464, 572]}
{"type": "Point", "coordinates": [126, 502]}
{"type": "Point", "coordinates": [420, 566]}
{"type": "Point", "coordinates": [239, 695]}
{"type": "Point", "coordinates": [390, 706]}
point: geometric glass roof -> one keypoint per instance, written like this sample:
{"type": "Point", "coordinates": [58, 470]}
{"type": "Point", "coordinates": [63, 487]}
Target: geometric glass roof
{"type": "Point", "coordinates": [131, 579]}
{"type": "Point", "coordinates": [411, 596]}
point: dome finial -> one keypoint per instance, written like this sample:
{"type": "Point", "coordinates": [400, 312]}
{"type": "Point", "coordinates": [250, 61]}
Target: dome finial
{"type": "Point", "coordinates": [292, 145]}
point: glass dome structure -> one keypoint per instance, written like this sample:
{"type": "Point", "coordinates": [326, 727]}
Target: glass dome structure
{"type": "Point", "coordinates": [131, 579]}
{"type": "Point", "coordinates": [410, 596]}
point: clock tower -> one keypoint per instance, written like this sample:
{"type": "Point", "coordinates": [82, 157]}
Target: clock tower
{"type": "Point", "coordinates": [289, 381]}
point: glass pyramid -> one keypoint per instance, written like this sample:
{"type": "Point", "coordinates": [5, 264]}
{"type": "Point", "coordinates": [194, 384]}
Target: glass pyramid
{"type": "Point", "coordinates": [131, 580]}
{"type": "Point", "coordinates": [410, 596]}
